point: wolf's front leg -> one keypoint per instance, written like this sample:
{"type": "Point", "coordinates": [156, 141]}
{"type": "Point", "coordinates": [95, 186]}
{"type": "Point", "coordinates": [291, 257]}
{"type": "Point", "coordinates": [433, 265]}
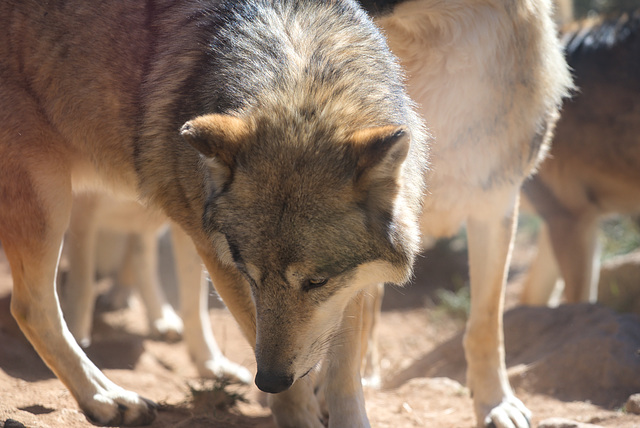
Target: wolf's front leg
{"type": "Point", "coordinates": [35, 213]}
{"type": "Point", "coordinates": [342, 383]}
{"type": "Point", "coordinates": [194, 295]}
{"type": "Point", "coordinates": [490, 237]}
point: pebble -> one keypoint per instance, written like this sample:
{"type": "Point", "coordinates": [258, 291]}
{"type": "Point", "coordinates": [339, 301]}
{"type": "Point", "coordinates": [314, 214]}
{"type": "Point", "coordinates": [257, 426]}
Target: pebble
{"type": "Point", "coordinates": [12, 423]}
{"type": "Point", "coordinates": [633, 404]}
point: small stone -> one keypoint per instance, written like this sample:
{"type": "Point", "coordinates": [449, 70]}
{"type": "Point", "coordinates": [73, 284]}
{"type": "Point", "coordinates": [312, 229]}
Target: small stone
{"type": "Point", "coordinates": [633, 404]}
{"type": "Point", "coordinates": [12, 423]}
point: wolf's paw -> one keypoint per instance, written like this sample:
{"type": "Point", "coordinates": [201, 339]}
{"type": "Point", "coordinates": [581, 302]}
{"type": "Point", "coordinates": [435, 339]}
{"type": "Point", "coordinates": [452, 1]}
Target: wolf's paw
{"type": "Point", "coordinates": [169, 327]}
{"type": "Point", "coordinates": [124, 408]}
{"type": "Point", "coordinates": [222, 368]}
{"type": "Point", "coordinates": [117, 298]}
{"type": "Point", "coordinates": [510, 413]}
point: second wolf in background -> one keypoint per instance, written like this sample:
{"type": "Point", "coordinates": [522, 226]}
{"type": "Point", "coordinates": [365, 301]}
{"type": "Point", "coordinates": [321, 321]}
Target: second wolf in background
{"type": "Point", "coordinates": [594, 165]}
{"type": "Point", "coordinates": [489, 76]}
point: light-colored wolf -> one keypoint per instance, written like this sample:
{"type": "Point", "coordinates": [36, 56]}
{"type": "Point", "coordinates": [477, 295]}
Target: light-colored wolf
{"type": "Point", "coordinates": [489, 76]}
{"type": "Point", "coordinates": [594, 165]}
{"type": "Point", "coordinates": [276, 133]}
{"type": "Point", "coordinates": [111, 236]}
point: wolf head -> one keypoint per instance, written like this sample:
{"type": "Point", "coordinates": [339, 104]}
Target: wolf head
{"type": "Point", "coordinates": [316, 174]}
{"type": "Point", "coordinates": [308, 216]}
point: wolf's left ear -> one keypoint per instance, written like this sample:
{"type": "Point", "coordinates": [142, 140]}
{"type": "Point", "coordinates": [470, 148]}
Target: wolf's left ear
{"type": "Point", "coordinates": [216, 136]}
{"type": "Point", "coordinates": [380, 151]}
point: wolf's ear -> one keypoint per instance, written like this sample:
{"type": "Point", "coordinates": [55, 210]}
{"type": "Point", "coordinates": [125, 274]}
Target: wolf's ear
{"type": "Point", "coordinates": [380, 151]}
{"type": "Point", "coordinates": [216, 136]}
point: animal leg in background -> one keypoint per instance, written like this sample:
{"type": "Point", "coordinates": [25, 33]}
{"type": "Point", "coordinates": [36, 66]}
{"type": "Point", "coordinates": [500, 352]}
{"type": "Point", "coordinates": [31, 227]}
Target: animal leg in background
{"type": "Point", "coordinates": [372, 306]}
{"type": "Point", "coordinates": [575, 244]}
{"type": "Point", "coordinates": [194, 308]}
{"type": "Point", "coordinates": [93, 216]}
{"type": "Point", "coordinates": [78, 294]}
{"type": "Point", "coordinates": [542, 278]}
{"type": "Point", "coordinates": [143, 262]}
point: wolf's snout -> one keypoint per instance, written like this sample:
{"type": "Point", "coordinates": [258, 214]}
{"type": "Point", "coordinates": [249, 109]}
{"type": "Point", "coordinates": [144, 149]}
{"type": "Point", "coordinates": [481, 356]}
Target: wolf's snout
{"type": "Point", "coordinates": [273, 382]}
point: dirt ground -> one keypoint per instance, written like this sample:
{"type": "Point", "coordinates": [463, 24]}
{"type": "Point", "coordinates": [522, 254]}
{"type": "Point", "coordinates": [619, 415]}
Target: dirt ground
{"type": "Point", "coordinates": [422, 361]}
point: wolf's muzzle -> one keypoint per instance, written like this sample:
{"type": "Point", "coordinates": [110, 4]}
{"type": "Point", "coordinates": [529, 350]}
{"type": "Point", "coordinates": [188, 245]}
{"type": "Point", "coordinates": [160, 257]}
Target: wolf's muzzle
{"type": "Point", "coordinates": [273, 382]}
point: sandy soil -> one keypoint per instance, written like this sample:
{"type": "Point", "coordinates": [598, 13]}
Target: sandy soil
{"type": "Point", "coordinates": [422, 363]}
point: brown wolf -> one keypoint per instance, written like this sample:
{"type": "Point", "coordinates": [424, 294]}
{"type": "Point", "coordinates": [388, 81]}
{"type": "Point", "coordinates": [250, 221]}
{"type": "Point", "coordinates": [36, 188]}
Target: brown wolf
{"type": "Point", "coordinates": [276, 133]}
{"type": "Point", "coordinates": [594, 166]}
{"type": "Point", "coordinates": [120, 237]}
{"type": "Point", "coordinates": [489, 76]}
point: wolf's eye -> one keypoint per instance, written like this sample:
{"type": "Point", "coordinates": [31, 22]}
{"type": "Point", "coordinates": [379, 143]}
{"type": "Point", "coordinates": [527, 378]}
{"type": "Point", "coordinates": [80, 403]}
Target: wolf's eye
{"type": "Point", "coordinates": [312, 283]}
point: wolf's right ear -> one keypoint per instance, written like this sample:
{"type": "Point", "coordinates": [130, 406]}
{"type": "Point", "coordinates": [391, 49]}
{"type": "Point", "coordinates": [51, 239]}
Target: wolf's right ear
{"type": "Point", "coordinates": [216, 136]}
{"type": "Point", "coordinates": [380, 151]}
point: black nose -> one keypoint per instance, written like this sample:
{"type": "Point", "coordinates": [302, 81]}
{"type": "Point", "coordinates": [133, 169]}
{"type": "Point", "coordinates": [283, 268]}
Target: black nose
{"type": "Point", "coordinates": [273, 382]}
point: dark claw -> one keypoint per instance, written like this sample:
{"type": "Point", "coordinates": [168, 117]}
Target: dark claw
{"type": "Point", "coordinates": [95, 421]}
{"type": "Point", "coordinates": [147, 417]}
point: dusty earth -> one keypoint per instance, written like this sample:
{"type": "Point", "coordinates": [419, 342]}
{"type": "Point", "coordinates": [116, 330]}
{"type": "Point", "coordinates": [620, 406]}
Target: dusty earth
{"type": "Point", "coordinates": [575, 362]}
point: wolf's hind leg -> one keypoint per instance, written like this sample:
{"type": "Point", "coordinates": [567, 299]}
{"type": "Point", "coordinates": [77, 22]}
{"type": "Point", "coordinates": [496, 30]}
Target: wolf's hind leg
{"type": "Point", "coordinates": [540, 284]}
{"type": "Point", "coordinates": [78, 293]}
{"type": "Point", "coordinates": [490, 235]}
{"type": "Point", "coordinates": [142, 260]}
{"type": "Point", "coordinates": [36, 205]}
{"type": "Point", "coordinates": [577, 249]}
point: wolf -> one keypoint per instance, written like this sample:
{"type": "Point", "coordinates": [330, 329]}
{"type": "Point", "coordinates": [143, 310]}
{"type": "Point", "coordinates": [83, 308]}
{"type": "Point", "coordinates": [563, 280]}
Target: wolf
{"type": "Point", "coordinates": [594, 165]}
{"type": "Point", "coordinates": [111, 236]}
{"type": "Point", "coordinates": [489, 77]}
{"type": "Point", "coordinates": [276, 134]}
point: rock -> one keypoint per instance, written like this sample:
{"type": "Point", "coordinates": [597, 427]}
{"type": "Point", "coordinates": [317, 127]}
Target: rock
{"type": "Point", "coordinates": [633, 404]}
{"type": "Point", "coordinates": [618, 286]}
{"type": "Point", "coordinates": [575, 352]}
{"type": "Point", "coordinates": [564, 423]}
{"type": "Point", "coordinates": [12, 423]}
